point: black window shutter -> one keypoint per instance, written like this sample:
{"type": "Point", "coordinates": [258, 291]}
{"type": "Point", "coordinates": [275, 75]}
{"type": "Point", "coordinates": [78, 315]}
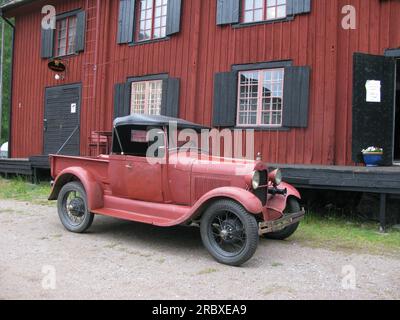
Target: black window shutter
{"type": "Point", "coordinates": [122, 94]}
{"type": "Point", "coordinates": [298, 7]}
{"type": "Point", "coordinates": [228, 12]}
{"type": "Point", "coordinates": [225, 99]}
{"type": "Point", "coordinates": [174, 17]}
{"type": "Point", "coordinates": [126, 21]}
{"type": "Point", "coordinates": [47, 43]}
{"type": "Point", "coordinates": [296, 97]}
{"type": "Point", "coordinates": [80, 31]}
{"type": "Point", "coordinates": [170, 98]}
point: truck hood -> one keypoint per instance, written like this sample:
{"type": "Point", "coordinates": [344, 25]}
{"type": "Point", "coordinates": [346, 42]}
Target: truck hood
{"type": "Point", "coordinates": [217, 166]}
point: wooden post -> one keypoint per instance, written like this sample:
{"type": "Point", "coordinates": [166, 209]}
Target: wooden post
{"type": "Point", "coordinates": [382, 212]}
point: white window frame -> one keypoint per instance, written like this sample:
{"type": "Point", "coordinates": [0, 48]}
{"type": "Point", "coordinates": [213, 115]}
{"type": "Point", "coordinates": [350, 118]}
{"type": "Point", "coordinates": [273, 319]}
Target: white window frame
{"type": "Point", "coordinates": [65, 46]}
{"type": "Point", "coordinates": [149, 104]}
{"type": "Point", "coordinates": [266, 5]}
{"type": "Point", "coordinates": [261, 73]}
{"type": "Point", "coordinates": [156, 13]}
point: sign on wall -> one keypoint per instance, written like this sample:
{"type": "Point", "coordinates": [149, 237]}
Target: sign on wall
{"type": "Point", "coordinates": [374, 89]}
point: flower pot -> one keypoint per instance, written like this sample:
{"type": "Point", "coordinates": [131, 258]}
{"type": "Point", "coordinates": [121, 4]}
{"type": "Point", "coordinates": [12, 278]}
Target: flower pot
{"type": "Point", "coordinates": [373, 159]}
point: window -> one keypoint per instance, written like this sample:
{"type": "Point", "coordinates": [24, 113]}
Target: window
{"type": "Point", "coordinates": [263, 10]}
{"type": "Point", "coordinates": [66, 36]}
{"type": "Point", "coordinates": [152, 19]}
{"type": "Point", "coordinates": [260, 98]}
{"type": "Point", "coordinates": [146, 97]}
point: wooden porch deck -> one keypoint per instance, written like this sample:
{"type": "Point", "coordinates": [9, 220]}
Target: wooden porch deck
{"type": "Point", "coordinates": [357, 179]}
{"type": "Point", "coordinates": [384, 181]}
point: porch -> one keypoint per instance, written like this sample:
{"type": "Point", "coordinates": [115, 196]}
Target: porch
{"type": "Point", "coordinates": [384, 181]}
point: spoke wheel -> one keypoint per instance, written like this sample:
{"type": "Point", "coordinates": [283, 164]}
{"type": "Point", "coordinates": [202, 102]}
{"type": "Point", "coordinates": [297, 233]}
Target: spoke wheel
{"type": "Point", "coordinates": [72, 208]}
{"type": "Point", "coordinates": [229, 232]}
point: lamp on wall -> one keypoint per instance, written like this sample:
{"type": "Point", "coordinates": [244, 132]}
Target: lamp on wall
{"type": "Point", "coordinates": [58, 66]}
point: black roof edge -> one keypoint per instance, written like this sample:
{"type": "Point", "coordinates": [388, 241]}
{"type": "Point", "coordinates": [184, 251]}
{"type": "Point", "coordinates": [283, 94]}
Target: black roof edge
{"type": "Point", "coordinates": [13, 5]}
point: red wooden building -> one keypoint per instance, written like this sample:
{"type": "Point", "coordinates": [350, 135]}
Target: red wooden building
{"type": "Point", "coordinates": [294, 70]}
{"type": "Point", "coordinates": [192, 57]}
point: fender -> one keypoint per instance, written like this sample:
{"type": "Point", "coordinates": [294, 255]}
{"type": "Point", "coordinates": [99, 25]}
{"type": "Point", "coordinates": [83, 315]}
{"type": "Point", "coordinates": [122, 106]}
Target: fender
{"type": "Point", "coordinates": [93, 189]}
{"type": "Point", "coordinates": [247, 199]}
{"type": "Point", "coordinates": [278, 202]}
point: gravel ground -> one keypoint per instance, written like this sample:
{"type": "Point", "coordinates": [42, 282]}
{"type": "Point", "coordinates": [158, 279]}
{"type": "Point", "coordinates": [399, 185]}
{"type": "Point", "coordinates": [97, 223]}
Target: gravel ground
{"type": "Point", "coordinates": [124, 260]}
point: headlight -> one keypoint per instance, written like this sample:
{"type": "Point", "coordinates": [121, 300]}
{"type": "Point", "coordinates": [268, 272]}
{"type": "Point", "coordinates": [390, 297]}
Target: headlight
{"type": "Point", "coordinates": [276, 177]}
{"type": "Point", "coordinates": [256, 181]}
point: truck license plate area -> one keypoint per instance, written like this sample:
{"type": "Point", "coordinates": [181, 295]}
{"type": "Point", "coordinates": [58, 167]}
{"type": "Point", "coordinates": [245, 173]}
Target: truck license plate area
{"type": "Point", "coordinates": [278, 225]}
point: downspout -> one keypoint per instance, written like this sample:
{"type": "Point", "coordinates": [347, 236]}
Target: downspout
{"type": "Point", "coordinates": [10, 84]}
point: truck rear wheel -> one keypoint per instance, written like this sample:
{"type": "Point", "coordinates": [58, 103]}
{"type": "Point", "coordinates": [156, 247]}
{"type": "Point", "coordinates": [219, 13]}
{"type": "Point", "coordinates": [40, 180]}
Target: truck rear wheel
{"type": "Point", "coordinates": [292, 206]}
{"type": "Point", "coordinates": [73, 208]}
{"type": "Point", "coordinates": [229, 232]}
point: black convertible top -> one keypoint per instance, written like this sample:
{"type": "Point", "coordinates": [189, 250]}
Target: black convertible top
{"type": "Point", "coordinates": [147, 120]}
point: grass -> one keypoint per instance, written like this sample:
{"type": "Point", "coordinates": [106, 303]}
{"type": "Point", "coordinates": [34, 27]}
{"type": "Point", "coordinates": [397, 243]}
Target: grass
{"type": "Point", "coordinates": [20, 189]}
{"type": "Point", "coordinates": [344, 234]}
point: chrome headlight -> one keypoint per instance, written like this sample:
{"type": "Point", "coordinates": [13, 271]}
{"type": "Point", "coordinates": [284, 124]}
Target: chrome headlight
{"type": "Point", "coordinates": [256, 181]}
{"type": "Point", "coordinates": [276, 177]}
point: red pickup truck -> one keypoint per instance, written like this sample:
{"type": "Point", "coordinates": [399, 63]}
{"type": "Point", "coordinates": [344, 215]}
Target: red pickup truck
{"type": "Point", "coordinates": [233, 201]}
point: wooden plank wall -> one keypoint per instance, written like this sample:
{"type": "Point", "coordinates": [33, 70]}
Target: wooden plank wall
{"type": "Point", "coordinates": [194, 55]}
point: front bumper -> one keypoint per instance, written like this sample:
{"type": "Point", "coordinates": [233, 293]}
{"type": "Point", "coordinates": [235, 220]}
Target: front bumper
{"type": "Point", "coordinates": [279, 225]}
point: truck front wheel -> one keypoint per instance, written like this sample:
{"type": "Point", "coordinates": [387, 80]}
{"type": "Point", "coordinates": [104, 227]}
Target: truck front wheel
{"type": "Point", "coordinates": [73, 208]}
{"type": "Point", "coordinates": [229, 232]}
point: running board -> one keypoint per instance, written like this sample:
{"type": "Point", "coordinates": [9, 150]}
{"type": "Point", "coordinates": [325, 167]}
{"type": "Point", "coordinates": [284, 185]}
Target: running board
{"type": "Point", "coordinates": [159, 214]}
{"type": "Point", "coordinates": [129, 216]}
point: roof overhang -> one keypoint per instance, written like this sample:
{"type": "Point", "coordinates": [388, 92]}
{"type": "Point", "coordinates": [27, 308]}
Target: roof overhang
{"type": "Point", "coordinates": [12, 5]}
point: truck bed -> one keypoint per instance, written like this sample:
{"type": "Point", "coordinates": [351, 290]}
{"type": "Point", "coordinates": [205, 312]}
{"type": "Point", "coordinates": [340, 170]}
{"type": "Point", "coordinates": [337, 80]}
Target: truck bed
{"type": "Point", "coordinates": [98, 166]}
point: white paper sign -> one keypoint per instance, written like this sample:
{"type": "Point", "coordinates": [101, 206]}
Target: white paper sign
{"type": "Point", "coordinates": [73, 107]}
{"type": "Point", "coordinates": [373, 91]}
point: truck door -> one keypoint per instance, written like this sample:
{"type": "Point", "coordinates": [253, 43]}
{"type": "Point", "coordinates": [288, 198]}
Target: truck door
{"type": "Point", "coordinates": [134, 175]}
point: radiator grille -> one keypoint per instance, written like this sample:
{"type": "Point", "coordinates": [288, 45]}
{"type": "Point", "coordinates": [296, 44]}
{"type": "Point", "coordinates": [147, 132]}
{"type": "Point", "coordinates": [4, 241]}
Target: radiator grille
{"type": "Point", "coordinates": [262, 193]}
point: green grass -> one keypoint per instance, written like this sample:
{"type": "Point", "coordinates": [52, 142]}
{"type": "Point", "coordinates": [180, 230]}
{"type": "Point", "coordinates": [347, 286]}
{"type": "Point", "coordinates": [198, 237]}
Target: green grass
{"type": "Point", "coordinates": [20, 189]}
{"type": "Point", "coordinates": [344, 234]}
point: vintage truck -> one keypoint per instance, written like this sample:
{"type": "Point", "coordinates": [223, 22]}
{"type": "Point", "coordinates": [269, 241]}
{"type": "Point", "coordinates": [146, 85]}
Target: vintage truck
{"type": "Point", "coordinates": [233, 201]}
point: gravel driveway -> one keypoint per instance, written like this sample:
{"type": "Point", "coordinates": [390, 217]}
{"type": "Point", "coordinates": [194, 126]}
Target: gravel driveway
{"type": "Point", "coordinates": [124, 260]}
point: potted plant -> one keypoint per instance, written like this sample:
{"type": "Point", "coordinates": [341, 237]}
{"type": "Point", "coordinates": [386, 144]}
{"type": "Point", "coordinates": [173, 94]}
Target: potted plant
{"type": "Point", "coordinates": [373, 156]}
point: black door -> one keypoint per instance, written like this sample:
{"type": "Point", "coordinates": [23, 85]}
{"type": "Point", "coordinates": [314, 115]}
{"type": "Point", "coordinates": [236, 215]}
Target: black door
{"type": "Point", "coordinates": [397, 121]}
{"type": "Point", "coordinates": [373, 105]}
{"type": "Point", "coordinates": [62, 119]}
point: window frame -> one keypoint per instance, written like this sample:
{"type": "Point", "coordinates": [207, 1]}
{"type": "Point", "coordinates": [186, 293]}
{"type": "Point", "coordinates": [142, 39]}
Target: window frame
{"type": "Point", "coordinates": [138, 20]}
{"type": "Point", "coordinates": [265, 13]}
{"type": "Point", "coordinates": [62, 16]}
{"type": "Point", "coordinates": [147, 93]}
{"type": "Point", "coordinates": [68, 45]}
{"type": "Point", "coordinates": [260, 97]}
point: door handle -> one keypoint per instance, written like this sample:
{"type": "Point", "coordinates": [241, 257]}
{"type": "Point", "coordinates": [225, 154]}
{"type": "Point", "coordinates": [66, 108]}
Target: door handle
{"type": "Point", "coordinates": [45, 125]}
{"type": "Point", "coordinates": [129, 166]}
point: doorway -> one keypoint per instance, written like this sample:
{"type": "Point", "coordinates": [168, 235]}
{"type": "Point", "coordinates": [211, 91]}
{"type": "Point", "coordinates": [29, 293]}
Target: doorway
{"type": "Point", "coordinates": [62, 119]}
{"type": "Point", "coordinates": [397, 116]}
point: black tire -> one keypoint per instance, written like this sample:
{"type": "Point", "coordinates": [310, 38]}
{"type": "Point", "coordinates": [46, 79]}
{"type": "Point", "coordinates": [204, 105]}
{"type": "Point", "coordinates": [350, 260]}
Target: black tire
{"type": "Point", "coordinates": [292, 206]}
{"type": "Point", "coordinates": [226, 224]}
{"type": "Point", "coordinates": [74, 214]}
